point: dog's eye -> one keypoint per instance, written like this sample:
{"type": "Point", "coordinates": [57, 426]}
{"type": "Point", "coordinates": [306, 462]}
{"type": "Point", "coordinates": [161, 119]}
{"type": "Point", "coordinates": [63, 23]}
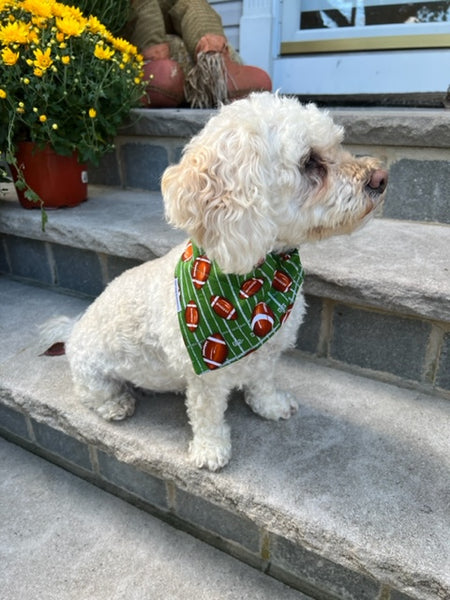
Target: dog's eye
{"type": "Point", "coordinates": [315, 166]}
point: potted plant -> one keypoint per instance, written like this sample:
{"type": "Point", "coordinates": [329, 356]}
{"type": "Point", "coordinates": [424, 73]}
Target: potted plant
{"type": "Point", "coordinates": [66, 85]}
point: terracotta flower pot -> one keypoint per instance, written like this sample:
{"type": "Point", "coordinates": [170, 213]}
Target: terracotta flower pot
{"type": "Point", "coordinates": [59, 180]}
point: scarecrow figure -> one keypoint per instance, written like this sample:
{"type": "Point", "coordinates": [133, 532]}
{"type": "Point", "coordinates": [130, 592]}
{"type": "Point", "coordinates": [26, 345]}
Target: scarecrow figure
{"type": "Point", "coordinates": [187, 56]}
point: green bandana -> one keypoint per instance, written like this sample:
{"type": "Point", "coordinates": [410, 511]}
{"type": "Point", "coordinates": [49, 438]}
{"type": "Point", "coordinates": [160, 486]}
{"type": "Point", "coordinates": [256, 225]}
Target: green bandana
{"type": "Point", "coordinates": [225, 317]}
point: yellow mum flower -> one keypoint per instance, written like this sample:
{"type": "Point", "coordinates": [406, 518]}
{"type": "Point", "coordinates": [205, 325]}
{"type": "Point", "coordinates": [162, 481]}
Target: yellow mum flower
{"type": "Point", "coordinates": [92, 113]}
{"type": "Point", "coordinates": [65, 60]}
{"type": "Point", "coordinates": [3, 94]}
{"type": "Point", "coordinates": [123, 46]}
{"type": "Point", "coordinates": [9, 57]}
{"type": "Point", "coordinates": [68, 12]}
{"type": "Point", "coordinates": [103, 52]}
{"type": "Point", "coordinates": [14, 33]}
{"type": "Point", "coordinates": [4, 4]}
{"type": "Point", "coordinates": [42, 118]}
{"type": "Point", "coordinates": [42, 59]}
{"type": "Point", "coordinates": [95, 25]}
{"type": "Point", "coordinates": [39, 8]}
{"type": "Point", "coordinates": [70, 27]}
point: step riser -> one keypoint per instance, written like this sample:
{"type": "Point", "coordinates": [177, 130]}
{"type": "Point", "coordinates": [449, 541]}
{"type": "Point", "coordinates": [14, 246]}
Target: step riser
{"type": "Point", "coordinates": [419, 185]}
{"type": "Point", "coordinates": [387, 345]}
{"type": "Point", "coordinates": [237, 535]}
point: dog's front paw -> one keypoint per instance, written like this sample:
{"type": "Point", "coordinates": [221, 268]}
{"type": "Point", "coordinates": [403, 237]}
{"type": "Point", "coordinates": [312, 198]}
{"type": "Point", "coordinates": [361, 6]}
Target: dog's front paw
{"type": "Point", "coordinates": [279, 405]}
{"type": "Point", "coordinates": [211, 454]}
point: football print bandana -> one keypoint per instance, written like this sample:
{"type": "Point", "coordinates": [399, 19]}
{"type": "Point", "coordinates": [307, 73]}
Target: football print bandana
{"type": "Point", "coordinates": [224, 317]}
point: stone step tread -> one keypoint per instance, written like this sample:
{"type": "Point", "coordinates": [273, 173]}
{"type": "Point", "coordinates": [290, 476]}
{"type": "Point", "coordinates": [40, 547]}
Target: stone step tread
{"type": "Point", "coordinates": [80, 542]}
{"type": "Point", "coordinates": [379, 125]}
{"type": "Point", "coordinates": [359, 477]}
{"type": "Point", "coordinates": [389, 264]}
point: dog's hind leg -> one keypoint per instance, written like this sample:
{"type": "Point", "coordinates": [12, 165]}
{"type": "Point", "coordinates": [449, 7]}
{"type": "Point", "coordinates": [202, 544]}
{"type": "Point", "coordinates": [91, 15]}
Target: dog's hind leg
{"type": "Point", "coordinates": [206, 405]}
{"type": "Point", "coordinates": [110, 399]}
{"type": "Point", "coordinates": [263, 397]}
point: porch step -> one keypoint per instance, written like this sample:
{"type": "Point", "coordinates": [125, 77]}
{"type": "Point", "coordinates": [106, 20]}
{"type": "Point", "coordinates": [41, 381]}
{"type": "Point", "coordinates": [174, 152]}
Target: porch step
{"type": "Point", "coordinates": [379, 300]}
{"type": "Point", "coordinates": [65, 539]}
{"type": "Point", "coordinates": [413, 143]}
{"type": "Point", "coordinates": [348, 500]}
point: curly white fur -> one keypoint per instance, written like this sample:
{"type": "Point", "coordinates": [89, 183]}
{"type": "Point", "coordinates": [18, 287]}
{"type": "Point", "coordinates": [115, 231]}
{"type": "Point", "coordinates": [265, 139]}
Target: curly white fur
{"type": "Point", "coordinates": [265, 174]}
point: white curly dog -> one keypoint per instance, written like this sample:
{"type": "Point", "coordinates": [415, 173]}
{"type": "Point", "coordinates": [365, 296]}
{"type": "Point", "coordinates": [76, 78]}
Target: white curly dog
{"type": "Point", "coordinates": [264, 175]}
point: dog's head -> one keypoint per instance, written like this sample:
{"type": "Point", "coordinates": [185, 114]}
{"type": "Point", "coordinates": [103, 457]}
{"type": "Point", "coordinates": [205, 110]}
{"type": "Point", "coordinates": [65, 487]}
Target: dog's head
{"type": "Point", "coordinates": [267, 173]}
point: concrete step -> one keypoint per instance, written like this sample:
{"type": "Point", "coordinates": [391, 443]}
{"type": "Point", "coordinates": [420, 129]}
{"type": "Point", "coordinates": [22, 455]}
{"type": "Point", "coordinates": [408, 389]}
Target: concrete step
{"type": "Point", "coordinates": [64, 539]}
{"type": "Point", "coordinates": [348, 500]}
{"type": "Point", "coordinates": [379, 300]}
{"type": "Point", "coordinates": [413, 143]}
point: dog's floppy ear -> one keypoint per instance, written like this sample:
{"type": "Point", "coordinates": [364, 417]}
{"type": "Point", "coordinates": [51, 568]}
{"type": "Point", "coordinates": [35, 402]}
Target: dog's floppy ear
{"type": "Point", "coordinates": [218, 193]}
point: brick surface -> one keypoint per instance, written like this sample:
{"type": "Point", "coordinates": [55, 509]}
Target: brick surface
{"type": "Point", "coordinates": [117, 265]}
{"type": "Point", "coordinates": [143, 165]}
{"type": "Point", "coordinates": [146, 486]}
{"type": "Point", "coordinates": [28, 258]}
{"type": "Point", "coordinates": [315, 574]}
{"type": "Point", "coordinates": [78, 270]}
{"type": "Point", "coordinates": [61, 444]}
{"type": "Point", "coordinates": [379, 341]}
{"type": "Point", "coordinates": [308, 334]}
{"type": "Point", "coordinates": [13, 422]}
{"type": "Point", "coordinates": [443, 375]}
{"type": "Point", "coordinates": [4, 265]}
{"type": "Point", "coordinates": [418, 190]}
{"type": "Point", "coordinates": [218, 520]}
{"type": "Point", "coordinates": [107, 172]}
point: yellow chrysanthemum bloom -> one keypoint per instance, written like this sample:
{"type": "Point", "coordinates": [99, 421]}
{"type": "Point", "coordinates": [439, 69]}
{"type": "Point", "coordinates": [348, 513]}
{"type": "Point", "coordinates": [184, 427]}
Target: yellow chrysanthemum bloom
{"type": "Point", "coordinates": [40, 22]}
{"type": "Point", "coordinates": [39, 8]}
{"type": "Point", "coordinates": [14, 33]}
{"type": "Point", "coordinates": [69, 12]}
{"type": "Point", "coordinates": [92, 113]}
{"type": "Point", "coordinates": [4, 4]}
{"type": "Point", "coordinates": [3, 94]}
{"type": "Point", "coordinates": [42, 118]}
{"type": "Point", "coordinates": [123, 46]}
{"type": "Point", "coordinates": [65, 60]}
{"type": "Point", "coordinates": [70, 27]}
{"type": "Point", "coordinates": [103, 52]}
{"type": "Point", "coordinates": [42, 60]}
{"type": "Point", "coordinates": [95, 25]}
{"type": "Point", "coordinates": [9, 57]}
{"type": "Point", "coordinates": [33, 36]}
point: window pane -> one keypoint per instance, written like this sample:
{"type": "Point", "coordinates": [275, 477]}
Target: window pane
{"type": "Point", "coordinates": [355, 13]}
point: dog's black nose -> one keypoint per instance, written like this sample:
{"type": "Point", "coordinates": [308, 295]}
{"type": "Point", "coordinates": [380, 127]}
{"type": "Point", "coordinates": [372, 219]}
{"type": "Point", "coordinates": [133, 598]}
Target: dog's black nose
{"type": "Point", "coordinates": [378, 180]}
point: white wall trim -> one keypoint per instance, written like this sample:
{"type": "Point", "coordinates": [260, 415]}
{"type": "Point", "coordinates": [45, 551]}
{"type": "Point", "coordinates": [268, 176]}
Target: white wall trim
{"type": "Point", "coordinates": [257, 28]}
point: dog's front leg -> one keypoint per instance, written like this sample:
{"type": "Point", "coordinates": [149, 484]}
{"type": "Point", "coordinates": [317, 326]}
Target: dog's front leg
{"type": "Point", "coordinates": [206, 404]}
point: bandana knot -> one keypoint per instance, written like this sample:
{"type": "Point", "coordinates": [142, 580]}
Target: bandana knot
{"type": "Point", "coordinates": [224, 317]}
